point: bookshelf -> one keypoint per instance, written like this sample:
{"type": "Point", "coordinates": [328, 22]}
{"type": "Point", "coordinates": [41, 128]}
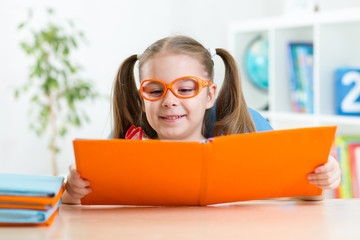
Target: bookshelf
{"type": "Point", "coordinates": [336, 39]}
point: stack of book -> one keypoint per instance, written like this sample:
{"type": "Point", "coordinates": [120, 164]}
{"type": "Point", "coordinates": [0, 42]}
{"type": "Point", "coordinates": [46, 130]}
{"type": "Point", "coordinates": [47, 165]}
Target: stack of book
{"type": "Point", "coordinates": [347, 150]}
{"type": "Point", "coordinates": [301, 77]}
{"type": "Point", "coordinates": [29, 199]}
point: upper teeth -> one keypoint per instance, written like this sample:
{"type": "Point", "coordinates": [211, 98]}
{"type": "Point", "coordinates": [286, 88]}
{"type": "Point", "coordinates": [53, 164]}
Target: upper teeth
{"type": "Point", "coordinates": [173, 117]}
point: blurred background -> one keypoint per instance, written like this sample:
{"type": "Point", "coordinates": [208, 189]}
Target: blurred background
{"type": "Point", "coordinates": [114, 30]}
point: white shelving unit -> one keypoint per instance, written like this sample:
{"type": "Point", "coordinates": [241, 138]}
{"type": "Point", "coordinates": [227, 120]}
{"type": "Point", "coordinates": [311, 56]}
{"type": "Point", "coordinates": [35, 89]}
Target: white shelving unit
{"type": "Point", "coordinates": [336, 39]}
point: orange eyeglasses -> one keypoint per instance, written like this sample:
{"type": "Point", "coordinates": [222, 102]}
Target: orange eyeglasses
{"type": "Point", "coordinates": [184, 87]}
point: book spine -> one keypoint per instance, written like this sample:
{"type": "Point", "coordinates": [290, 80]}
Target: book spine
{"type": "Point", "coordinates": [345, 189]}
{"type": "Point", "coordinates": [309, 79]}
{"type": "Point", "coordinates": [339, 189]}
{"type": "Point", "coordinates": [357, 159]}
{"type": "Point", "coordinates": [301, 53]}
{"type": "Point", "coordinates": [293, 79]}
{"type": "Point", "coordinates": [353, 169]}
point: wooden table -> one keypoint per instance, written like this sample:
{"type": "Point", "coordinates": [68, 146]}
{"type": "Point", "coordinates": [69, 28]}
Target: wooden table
{"type": "Point", "coordinates": [270, 219]}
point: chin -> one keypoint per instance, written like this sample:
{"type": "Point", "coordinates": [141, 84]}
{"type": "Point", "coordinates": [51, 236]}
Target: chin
{"type": "Point", "coordinates": [173, 136]}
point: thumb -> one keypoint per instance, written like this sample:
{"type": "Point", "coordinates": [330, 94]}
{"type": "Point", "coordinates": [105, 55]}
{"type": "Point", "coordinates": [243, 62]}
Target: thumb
{"type": "Point", "coordinates": [73, 171]}
{"type": "Point", "coordinates": [72, 167]}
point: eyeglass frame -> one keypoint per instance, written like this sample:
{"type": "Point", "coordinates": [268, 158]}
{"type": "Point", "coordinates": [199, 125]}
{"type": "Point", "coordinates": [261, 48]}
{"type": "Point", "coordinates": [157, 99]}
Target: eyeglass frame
{"type": "Point", "coordinates": [202, 84]}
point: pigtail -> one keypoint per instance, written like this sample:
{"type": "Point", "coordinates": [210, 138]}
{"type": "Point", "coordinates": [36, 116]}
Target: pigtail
{"type": "Point", "coordinates": [232, 114]}
{"type": "Point", "coordinates": [126, 100]}
{"type": "Point", "coordinates": [127, 104]}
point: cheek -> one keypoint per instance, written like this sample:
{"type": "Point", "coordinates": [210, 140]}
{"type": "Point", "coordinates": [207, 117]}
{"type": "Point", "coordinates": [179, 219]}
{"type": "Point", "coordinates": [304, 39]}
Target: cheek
{"type": "Point", "coordinates": [197, 104]}
{"type": "Point", "coordinates": [145, 106]}
{"type": "Point", "coordinates": [150, 109]}
{"type": "Point", "coordinates": [203, 98]}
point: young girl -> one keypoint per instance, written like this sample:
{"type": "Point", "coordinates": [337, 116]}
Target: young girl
{"type": "Point", "coordinates": [174, 101]}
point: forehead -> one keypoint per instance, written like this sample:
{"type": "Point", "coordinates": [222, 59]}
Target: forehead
{"type": "Point", "coordinates": [169, 66]}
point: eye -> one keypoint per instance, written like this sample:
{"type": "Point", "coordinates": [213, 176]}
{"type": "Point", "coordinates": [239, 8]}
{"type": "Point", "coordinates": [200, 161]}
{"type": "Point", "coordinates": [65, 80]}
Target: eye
{"type": "Point", "coordinates": [156, 92]}
{"type": "Point", "coordinates": [186, 87]}
{"type": "Point", "coordinates": [186, 90]}
{"type": "Point", "coordinates": [152, 89]}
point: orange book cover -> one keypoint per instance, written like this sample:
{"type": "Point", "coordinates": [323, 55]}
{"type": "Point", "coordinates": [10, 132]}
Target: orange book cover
{"type": "Point", "coordinates": [229, 169]}
{"type": "Point", "coordinates": [30, 202]}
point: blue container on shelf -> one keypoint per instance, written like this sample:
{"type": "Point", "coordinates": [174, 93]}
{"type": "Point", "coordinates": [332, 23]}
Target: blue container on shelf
{"type": "Point", "coordinates": [347, 91]}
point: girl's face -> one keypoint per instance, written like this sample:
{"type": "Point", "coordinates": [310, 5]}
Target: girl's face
{"type": "Point", "coordinates": [171, 117]}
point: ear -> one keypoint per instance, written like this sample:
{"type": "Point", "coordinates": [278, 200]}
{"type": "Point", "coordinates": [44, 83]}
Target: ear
{"type": "Point", "coordinates": [211, 96]}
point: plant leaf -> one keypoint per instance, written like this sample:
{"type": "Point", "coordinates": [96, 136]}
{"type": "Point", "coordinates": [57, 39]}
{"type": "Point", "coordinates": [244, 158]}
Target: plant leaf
{"type": "Point", "coordinates": [21, 25]}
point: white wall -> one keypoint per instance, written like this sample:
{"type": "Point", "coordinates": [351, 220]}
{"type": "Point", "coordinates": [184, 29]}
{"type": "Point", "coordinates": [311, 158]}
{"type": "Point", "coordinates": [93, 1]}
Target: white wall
{"type": "Point", "coordinates": [115, 30]}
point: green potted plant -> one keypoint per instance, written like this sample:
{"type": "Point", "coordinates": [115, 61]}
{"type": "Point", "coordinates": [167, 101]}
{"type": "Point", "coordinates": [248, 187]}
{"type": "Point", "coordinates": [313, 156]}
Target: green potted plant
{"type": "Point", "coordinates": [54, 82]}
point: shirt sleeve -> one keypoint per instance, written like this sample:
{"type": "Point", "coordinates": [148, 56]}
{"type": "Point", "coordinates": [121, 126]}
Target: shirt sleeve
{"type": "Point", "coordinates": [261, 124]}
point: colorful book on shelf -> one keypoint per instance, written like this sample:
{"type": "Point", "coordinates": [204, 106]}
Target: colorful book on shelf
{"type": "Point", "coordinates": [29, 199]}
{"type": "Point", "coordinates": [300, 53]}
{"type": "Point", "coordinates": [301, 76]}
{"type": "Point", "coordinates": [293, 80]}
{"type": "Point", "coordinates": [299, 83]}
{"type": "Point", "coordinates": [343, 153]}
{"type": "Point", "coordinates": [354, 155]}
{"type": "Point", "coordinates": [229, 169]}
{"type": "Point", "coordinates": [309, 62]}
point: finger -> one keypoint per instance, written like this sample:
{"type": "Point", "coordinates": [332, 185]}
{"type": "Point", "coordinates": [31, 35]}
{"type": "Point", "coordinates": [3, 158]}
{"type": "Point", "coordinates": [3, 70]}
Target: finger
{"type": "Point", "coordinates": [79, 193]}
{"type": "Point", "coordinates": [70, 191]}
{"type": "Point", "coordinates": [327, 181]}
{"type": "Point", "coordinates": [75, 190]}
{"type": "Point", "coordinates": [327, 167]}
{"type": "Point", "coordinates": [78, 182]}
{"type": "Point", "coordinates": [332, 159]}
{"type": "Point", "coordinates": [325, 175]}
{"type": "Point", "coordinates": [330, 186]}
{"type": "Point", "coordinates": [74, 178]}
{"type": "Point", "coordinates": [75, 174]}
{"type": "Point", "coordinates": [72, 167]}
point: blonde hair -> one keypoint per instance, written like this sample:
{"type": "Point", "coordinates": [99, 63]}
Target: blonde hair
{"type": "Point", "coordinates": [232, 114]}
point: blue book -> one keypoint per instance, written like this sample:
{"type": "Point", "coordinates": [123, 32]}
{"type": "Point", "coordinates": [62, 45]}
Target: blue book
{"type": "Point", "coordinates": [343, 155]}
{"type": "Point", "coordinates": [27, 216]}
{"type": "Point", "coordinates": [308, 69]}
{"type": "Point", "coordinates": [29, 185]}
{"type": "Point", "coordinates": [295, 101]}
{"type": "Point", "coordinates": [302, 54]}
{"type": "Point", "coordinates": [310, 79]}
{"type": "Point", "coordinates": [301, 76]}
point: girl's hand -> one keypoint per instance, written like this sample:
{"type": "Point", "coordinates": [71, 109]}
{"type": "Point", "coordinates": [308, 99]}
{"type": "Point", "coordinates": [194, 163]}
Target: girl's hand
{"type": "Point", "coordinates": [327, 176]}
{"type": "Point", "coordinates": [76, 187]}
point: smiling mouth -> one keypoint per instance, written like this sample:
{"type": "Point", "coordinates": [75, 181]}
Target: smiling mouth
{"type": "Point", "coordinates": [173, 117]}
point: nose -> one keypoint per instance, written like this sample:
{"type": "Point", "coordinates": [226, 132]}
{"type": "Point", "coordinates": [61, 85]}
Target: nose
{"type": "Point", "coordinates": [170, 100]}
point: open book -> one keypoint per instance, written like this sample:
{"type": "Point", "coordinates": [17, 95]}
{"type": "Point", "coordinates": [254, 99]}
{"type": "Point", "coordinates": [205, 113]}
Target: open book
{"type": "Point", "coordinates": [229, 169]}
